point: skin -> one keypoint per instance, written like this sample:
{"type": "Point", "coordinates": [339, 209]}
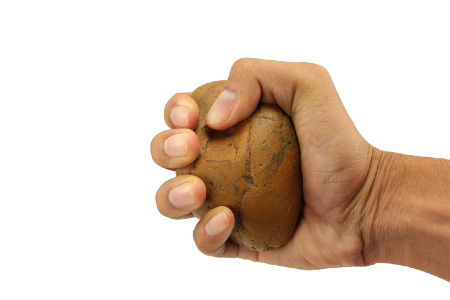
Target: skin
{"type": "Point", "coordinates": [361, 205]}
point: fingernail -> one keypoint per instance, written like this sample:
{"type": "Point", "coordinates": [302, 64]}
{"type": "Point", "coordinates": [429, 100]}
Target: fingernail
{"type": "Point", "coordinates": [217, 224]}
{"type": "Point", "coordinates": [179, 116]}
{"type": "Point", "coordinates": [181, 195]}
{"type": "Point", "coordinates": [222, 107]}
{"type": "Point", "coordinates": [176, 145]}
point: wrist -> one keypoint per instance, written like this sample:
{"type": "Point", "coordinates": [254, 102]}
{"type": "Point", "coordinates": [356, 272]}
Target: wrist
{"type": "Point", "coordinates": [378, 192]}
{"type": "Point", "coordinates": [407, 216]}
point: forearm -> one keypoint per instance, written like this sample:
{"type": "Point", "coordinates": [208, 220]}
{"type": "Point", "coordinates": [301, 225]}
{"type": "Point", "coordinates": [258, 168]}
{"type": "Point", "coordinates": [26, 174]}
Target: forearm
{"type": "Point", "coordinates": [409, 211]}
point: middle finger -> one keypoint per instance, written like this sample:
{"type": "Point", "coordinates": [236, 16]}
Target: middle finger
{"type": "Point", "coordinates": [181, 111]}
{"type": "Point", "coordinates": [175, 148]}
{"type": "Point", "coordinates": [178, 197]}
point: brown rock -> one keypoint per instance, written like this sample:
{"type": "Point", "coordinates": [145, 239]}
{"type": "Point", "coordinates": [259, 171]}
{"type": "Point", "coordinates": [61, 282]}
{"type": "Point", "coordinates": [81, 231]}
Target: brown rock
{"type": "Point", "coordinates": [252, 168]}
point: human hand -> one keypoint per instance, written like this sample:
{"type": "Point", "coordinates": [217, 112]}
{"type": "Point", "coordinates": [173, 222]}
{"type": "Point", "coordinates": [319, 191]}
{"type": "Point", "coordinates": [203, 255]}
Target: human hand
{"type": "Point", "coordinates": [336, 165]}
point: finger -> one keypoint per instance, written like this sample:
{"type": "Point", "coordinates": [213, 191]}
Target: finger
{"type": "Point", "coordinates": [178, 197]}
{"type": "Point", "coordinates": [212, 232]}
{"type": "Point", "coordinates": [181, 111]}
{"type": "Point", "coordinates": [253, 80]}
{"type": "Point", "coordinates": [175, 148]}
{"type": "Point", "coordinates": [211, 237]}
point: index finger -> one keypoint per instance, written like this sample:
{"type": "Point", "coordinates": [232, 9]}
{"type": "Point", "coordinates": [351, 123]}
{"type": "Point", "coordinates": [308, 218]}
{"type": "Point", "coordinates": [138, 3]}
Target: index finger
{"type": "Point", "coordinates": [181, 111]}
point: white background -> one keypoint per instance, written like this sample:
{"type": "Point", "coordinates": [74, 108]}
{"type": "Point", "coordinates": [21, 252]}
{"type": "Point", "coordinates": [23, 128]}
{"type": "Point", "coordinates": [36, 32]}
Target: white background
{"type": "Point", "coordinates": [83, 85]}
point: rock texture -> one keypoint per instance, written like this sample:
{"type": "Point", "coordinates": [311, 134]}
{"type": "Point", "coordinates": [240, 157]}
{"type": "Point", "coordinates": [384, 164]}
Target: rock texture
{"type": "Point", "coordinates": [252, 168]}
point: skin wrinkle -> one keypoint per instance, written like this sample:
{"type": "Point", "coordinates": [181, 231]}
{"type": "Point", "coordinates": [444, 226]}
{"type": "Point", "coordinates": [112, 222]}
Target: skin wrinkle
{"type": "Point", "coordinates": [356, 206]}
{"type": "Point", "coordinates": [311, 91]}
{"type": "Point", "coordinates": [361, 205]}
{"type": "Point", "coordinates": [220, 251]}
{"type": "Point", "coordinates": [314, 233]}
{"type": "Point", "coordinates": [296, 260]}
{"type": "Point", "coordinates": [382, 224]}
{"type": "Point", "coordinates": [303, 256]}
{"type": "Point", "coordinates": [369, 212]}
{"type": "Point", "coordinates": [336, 169]}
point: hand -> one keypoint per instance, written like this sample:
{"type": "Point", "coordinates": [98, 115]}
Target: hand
{"type": "Point", "coordinates": [336, 165]}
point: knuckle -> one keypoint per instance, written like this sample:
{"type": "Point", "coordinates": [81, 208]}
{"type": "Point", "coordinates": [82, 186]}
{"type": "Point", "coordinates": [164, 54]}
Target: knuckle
{"type": "Point", "coordinates": [318, 72]}
{"type": "Point", "coordinates": [318, 69]}
{"type": "Point", "coordinates": [245, 69]}
{"type": "Point", "coordinates": [311, 75]}
{"type": "Point", "coordinates": [244, 64]}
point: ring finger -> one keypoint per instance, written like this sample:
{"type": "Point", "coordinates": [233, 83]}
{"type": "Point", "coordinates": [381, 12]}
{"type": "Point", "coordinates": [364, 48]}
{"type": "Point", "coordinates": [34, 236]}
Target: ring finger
{"type": "Point", "coordinates": [178, 197]}
{"type": "Point", "coordinates": [175, 148]}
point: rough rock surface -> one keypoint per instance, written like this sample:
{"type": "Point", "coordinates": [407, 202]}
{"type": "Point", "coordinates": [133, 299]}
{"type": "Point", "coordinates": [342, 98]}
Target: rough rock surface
{"type": "Point", "coordinates": [252, 168]}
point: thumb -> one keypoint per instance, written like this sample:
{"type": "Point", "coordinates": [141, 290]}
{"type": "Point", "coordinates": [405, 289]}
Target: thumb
{"type": "Point", "coordinates": [255, 80]}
